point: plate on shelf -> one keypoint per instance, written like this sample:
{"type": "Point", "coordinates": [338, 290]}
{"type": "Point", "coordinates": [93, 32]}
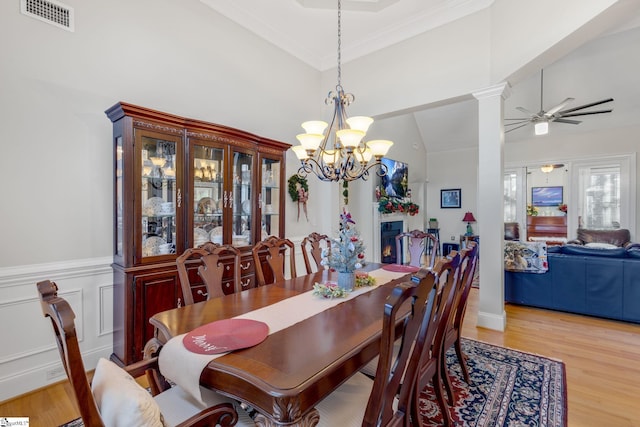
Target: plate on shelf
{"type": "Point", "coordinates": [246, 207]}
{"type": "Point", "coordinates": [216, 235]}
{"type": "Point", "coordinates": [200, 236]}
{"type": "Point", "coordinates": [153, 206]}
{"type": "Point", "coordinates": [206, 205]}
{"type": "Point", "coordinates": [151, 245]}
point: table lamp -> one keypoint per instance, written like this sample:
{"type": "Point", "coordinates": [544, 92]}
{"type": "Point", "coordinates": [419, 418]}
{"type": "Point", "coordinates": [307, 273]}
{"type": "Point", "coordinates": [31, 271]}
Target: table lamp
{"type": "Point", "coordinates": [468, 218]}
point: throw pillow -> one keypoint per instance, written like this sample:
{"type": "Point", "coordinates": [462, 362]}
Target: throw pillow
{"type": "Point", "coordinates": [121, 400]}
{"type": "Point", "coordinates": [601, 245]}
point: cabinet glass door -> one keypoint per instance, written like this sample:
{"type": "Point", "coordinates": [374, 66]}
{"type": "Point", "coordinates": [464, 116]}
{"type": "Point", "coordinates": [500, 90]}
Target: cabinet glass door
{"type": "Point", "coordinates": [158, 196]}
{"type": "Point", "coordinates": [270, 198]}
{"type": "Point", "coordinates": [242, 199]}
{"type": "Point", "coordinates": [209, 197]}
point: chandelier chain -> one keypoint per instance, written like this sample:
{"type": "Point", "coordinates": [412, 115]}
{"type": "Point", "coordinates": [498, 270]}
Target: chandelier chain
{"type": "Point", "coordinates": [339, 44]}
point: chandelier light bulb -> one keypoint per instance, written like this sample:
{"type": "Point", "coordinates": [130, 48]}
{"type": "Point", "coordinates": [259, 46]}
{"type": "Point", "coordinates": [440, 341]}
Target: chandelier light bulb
{"type": "Point", "coordinates": [379, 147]}
{"type": "Point", "coordinates": [300, 152]}
{"type": "Point", "coordinates": [350, 138]}
{"type": "Point", "coordinates": [360, 123]}
{"type": "Point", "coordinates": [310, 141]}
{"type": "Point", "coordinates": [315, 126]}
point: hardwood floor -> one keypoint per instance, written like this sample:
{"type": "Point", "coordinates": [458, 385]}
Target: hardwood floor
{"type": "Point", "coordinates": [602, 360]}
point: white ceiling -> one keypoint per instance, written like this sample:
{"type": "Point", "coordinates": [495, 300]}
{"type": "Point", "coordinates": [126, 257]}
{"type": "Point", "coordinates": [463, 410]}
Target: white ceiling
{"type": "Point", "coordinates": [308, 29]}
{"type": "Point", "coordinates": [607, 67]}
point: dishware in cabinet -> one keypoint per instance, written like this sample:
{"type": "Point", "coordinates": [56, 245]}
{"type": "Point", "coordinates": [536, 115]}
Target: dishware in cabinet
{"type": "Point", "coordinates": [270, 201]}
{"type": "Point", "coordinates": [221, 185]}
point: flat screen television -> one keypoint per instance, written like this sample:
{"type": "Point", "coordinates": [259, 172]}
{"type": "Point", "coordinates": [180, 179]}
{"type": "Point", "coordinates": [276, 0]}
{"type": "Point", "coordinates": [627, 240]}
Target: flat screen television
{"type": "Point", "coordinates": [546, 196]}
{"type": "Point", "coordinates": [395, 183]}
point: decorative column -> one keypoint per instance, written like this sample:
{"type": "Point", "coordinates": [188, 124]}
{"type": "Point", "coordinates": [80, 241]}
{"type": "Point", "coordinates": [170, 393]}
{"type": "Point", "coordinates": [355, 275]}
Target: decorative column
{"type": "Point", "coordinates": [490, 208]}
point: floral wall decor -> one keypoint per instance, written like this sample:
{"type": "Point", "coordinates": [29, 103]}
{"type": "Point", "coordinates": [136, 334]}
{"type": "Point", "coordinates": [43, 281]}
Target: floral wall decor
{"type": "Point", "coordinates": [299, 192]}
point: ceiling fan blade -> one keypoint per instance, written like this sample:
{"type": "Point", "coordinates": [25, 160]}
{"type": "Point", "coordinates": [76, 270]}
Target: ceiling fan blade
{"type": "Point", "coordinates": [521, 119]}
{"type": "Point", "coordinates": [593, 104]}
{"type": "Point", "coordinates": [509, 130]}
{"type": "Point", "coordinates": [524, 110]}
{"type": "Point", "coordinates": [523, 123]}
{"type": "Point", "coordinates": [586, 113]}
{"type": "Point", "coordinates": [571, 122]}
{"type": "Point", "coordinates": [558, 107]}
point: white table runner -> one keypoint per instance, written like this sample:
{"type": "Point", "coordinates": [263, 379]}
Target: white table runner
{"type": "Point", "coordinates": [184, 367]}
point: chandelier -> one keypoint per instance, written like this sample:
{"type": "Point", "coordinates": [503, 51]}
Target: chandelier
{"type": "Point", "coordinates": [340, 153]}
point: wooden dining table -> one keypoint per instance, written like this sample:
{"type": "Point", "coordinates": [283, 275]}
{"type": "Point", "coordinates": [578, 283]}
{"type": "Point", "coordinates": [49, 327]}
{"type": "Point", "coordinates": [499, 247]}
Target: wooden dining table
{"type": "Point", "coordinates": [288, 373]}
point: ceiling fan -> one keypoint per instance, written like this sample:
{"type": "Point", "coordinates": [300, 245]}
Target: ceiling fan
{"type": "Point", "coordinates": [541, 119]}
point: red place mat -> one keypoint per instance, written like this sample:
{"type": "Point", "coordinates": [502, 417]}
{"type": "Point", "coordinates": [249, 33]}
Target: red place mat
{"type": "Point", "coordinates": [398, 268]}
{"type": "Point", "coordinates": [225, 335]}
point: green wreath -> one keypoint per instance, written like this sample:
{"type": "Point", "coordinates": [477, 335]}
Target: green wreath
{"type": "Point", "coordinates": [293, 189]}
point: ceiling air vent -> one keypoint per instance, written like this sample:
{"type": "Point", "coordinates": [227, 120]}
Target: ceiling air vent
{"type": "Point", "coordinates": [50, 11]}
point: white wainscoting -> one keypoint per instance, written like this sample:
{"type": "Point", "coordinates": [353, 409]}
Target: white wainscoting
{"type": "Point", "coordinates": [29, 358]}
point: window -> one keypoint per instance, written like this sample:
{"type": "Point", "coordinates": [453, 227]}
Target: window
{"type": "Point", "coordinates": [599, 197]}
{"type": "Point", "coordinates": [510, 197]}
{"type": "Point", "coordinates": [606, 195]}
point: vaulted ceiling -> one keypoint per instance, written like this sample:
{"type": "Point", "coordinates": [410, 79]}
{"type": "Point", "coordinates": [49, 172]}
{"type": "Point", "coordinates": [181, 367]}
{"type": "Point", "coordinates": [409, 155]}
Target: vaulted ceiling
{"type": "Point", "coordinates": [607, 67]}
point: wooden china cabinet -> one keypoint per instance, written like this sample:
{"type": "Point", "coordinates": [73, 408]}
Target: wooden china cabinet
{"type": "Point", "coordinates": [180, 182]}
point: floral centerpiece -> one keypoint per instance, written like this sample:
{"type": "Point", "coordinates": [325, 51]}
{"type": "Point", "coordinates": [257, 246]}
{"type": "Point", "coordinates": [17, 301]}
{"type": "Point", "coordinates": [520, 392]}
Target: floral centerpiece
{"type": "Point", "coordinates": [346, 253]}
{"type": "Point", "coordinates": [532, 210]}
{"type": "Point", "coordinates": [562, 208]}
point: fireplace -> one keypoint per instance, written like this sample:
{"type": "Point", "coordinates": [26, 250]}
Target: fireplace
{"type": "Point", "coordinates": [388, 232]}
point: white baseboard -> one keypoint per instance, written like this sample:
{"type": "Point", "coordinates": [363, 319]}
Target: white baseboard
{"type": "Point", "coordinates": [492, 321]}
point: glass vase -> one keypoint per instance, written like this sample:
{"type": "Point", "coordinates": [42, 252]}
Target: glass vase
{"type": "Point", "coordinates": [346, 280]}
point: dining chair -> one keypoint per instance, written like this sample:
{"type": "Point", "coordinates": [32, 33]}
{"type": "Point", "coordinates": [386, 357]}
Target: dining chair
{"type": "Point", "coordinates": [468, 263]}
{"type": "Point", "coordinates": [312, 246]}
{"type": "Point", "coordinates": [269, 256]}
{"type": "Point", "coordinates": [211, 270]}
{"type": "Point", "coordinates": [418, 243]}
{"type": "Point", "coordinates": [430, 340]}
{"type": "Point", "coordinates": [385, 400]}
{"type": "Point", "coordinates": [115, 398]}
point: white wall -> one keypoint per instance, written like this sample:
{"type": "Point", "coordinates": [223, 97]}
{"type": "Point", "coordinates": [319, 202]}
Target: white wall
{"type": "Point", "coordinates": [447, 170]}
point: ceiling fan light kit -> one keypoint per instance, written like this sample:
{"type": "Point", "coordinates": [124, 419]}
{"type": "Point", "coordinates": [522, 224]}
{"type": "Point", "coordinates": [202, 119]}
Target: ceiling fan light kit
{"type": "Point", "coordinates": [541, 119]}
{"type": "Point", "coordinates": [541, 128]}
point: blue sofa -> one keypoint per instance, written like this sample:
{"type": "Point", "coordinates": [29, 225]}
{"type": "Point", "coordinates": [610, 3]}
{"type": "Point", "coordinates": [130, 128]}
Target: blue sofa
{"type": "Point", "coordinates": [595, 282]}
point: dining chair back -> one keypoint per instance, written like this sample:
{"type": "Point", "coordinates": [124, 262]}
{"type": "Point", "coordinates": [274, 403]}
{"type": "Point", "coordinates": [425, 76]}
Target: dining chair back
{"type": "Point", "coordinates": [430, 339]}
{"type": "Point", "coordinates": [312, 247]}
{"type": "Point", "coordinates": [468, 264]}
{"type": "Point", "coordinates": [386, 400]}
{"type": "Point", "coordinates": [213, 260]}
{"type": "Point", "coordinates": [418, 243]}
{"type": "Point", "coordinates": [270, 257]}
{"type": "Point", "coordinates": [114, 397]}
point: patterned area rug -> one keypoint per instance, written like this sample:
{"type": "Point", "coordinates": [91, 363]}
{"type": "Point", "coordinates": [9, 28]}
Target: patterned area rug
{"type": "Point", "coordinates": [509, 388]}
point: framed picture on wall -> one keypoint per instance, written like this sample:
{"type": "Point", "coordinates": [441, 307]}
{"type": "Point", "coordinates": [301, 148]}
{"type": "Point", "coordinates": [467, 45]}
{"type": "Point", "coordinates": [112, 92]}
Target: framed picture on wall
{"type": "Point", "coordinates": [450, 198]}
